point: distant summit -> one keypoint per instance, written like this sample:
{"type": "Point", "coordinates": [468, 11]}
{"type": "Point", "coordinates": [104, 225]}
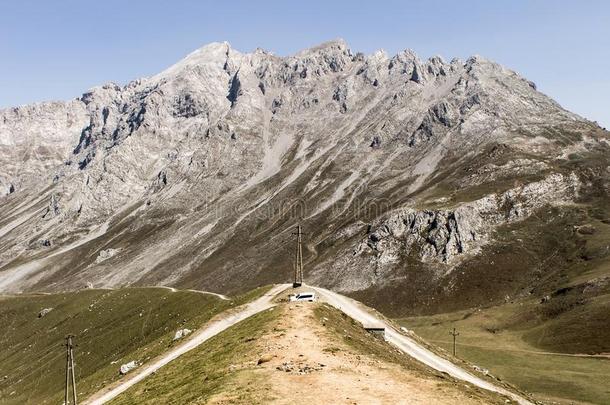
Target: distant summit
{"type": "Point", "coordinates": [403, 172]}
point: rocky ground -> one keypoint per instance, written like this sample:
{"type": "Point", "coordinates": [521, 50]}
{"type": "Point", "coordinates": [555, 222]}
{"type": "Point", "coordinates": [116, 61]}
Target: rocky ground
{"type": "Point", "coordinates": [308, 362]}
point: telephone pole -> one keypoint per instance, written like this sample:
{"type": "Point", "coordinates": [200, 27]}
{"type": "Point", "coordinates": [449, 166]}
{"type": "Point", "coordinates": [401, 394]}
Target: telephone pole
{"type": "Point", "coordinates": [455, 334]}
{"type": "Point", "coordinates": [70, 371]}
{"type": "Point", "coordinates": [298, 259]}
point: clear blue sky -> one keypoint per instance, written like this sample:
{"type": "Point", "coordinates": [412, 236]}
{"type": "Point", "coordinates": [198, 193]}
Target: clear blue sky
{"type": "Point", "coordinates": [58, 49]}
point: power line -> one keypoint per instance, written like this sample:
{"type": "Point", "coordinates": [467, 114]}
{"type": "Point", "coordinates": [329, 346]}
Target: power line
{"type": "Point", "coordinates": [455, 334]}
{"type": "Point", "coordinates": [70, 372]}
{"type": "Point", "coordinates": [298, 259]}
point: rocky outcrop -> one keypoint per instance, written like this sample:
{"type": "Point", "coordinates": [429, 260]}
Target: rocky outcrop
{"type": "Point", "coordinates": [437, 235]}
{"type": "Point", "coordinates": [444, 235]}
{"type": "Point", "coordinates": [127, 367]}
{"type": "Point", "coordinates": [44, 312]}
{"type": "Point", "coordinates": [53, 208]}
{"type": "Point", "coordinates": [35, 140]}
{"type": "Point", "coordinates": [106, 254]}
{"type": "Point", "coordinates": [180, 333]}
{"type": "Point", "coordinates": [7, 189]}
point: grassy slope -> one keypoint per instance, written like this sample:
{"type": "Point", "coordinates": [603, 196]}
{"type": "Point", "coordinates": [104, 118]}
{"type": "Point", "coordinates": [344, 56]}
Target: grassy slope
{"type": "Point", "coordinates": [353, 335]}
{"type": "Point", "coordinates": [208, 370]}
{"type": "Point", "coordinates": [110, 326]}
{"type": "Point", "coordinates": [536, 256]}
{"type": "Point", "coordinates": [224, 368]}
{"type": "Point", "coordinates": [494, 339]}
{"type": "Point", "coordinates": [566, 252]}
{"type": "Point", "coordinates": [561, 254]}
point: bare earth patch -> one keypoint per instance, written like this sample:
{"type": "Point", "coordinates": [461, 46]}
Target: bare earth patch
{"type": "Point", "coordinates": [301, 361]}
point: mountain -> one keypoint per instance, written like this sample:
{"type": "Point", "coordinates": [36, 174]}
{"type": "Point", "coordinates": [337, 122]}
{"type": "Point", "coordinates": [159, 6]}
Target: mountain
{"type": "Point", "coordinates": [421, 185]}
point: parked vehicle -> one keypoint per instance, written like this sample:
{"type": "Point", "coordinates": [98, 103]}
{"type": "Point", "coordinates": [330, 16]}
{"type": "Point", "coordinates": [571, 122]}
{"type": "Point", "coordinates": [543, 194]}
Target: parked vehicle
{"type": "Point", "coordinates": [304, 296]}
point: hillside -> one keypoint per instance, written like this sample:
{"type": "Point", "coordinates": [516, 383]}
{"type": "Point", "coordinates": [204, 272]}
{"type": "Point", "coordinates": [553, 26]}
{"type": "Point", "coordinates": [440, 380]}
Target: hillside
{"type": "Point", "coordinates": [256, 348]}
{"type": "Point", "coordinates": [298, 353]}
{"type": "Point", "coordinates": [545, 357]}
{"type": "Point", "coordinates": [112, 328]}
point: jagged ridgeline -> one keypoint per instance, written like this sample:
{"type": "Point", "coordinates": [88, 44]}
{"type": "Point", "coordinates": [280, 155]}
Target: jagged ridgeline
{"type": "Point", "coordinates": [412, 179]}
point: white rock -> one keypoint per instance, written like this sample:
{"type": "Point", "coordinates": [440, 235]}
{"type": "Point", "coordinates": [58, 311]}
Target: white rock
{"type": "Point", "coordinates": [44, 311]}
{"type": "Point", "coordinates": [181, 333]}
{"type": "Point", "coordinates": [106, 254]}
{"type": "Point", "coordinates": [126, 368]}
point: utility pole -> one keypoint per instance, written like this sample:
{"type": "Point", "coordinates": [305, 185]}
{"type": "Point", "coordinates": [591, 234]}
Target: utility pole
{"type": "Point", "coordinates": [454, 334]}
{"type": "Point", "coordinates": [70, 371]}
{"type": "Point", "coordinates": [298, 259]}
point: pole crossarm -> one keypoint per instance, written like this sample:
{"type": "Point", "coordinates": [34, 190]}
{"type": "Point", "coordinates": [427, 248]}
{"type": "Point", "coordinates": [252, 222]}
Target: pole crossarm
{"type": "Point", "coordinates": [455, 334]}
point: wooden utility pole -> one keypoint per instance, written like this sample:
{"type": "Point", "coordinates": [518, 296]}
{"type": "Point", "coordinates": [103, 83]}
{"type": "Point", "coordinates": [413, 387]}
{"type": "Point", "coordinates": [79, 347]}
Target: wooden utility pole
{"type": "Point", "coordinates": [298, 259]}
{"type": "Point", "coordinates": [70, 371]}
{"type": "Point", "coordinates": [455, 334]}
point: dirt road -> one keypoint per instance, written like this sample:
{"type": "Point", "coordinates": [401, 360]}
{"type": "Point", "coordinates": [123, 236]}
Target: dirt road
{"type": "Point", "coordinates": [348, 306]}
{"type": "Point", "coordinates": [306, 363]}
{"type": "Point", "coordinates": [410, 346]}
{"type": "Point", "coordinates": [200, 337]}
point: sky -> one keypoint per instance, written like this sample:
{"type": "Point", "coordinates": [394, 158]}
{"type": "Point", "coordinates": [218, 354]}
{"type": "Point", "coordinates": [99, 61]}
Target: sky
{"type": "Point", "coordinates": [56, 50]}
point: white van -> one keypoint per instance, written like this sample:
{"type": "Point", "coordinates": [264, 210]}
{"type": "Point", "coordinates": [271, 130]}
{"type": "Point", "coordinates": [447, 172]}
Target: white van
{"type": "Point", "coordinates": [304, 296]}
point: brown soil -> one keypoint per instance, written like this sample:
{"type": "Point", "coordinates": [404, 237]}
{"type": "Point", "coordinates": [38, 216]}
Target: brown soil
{"type": "Point", "coordinates": [302, 362]}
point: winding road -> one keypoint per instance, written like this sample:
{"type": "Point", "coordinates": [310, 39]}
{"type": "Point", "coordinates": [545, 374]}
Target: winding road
{"type": "Point", "coordinates": [347, 305]}
{"type": "Point", "coordinates": [409, 346]}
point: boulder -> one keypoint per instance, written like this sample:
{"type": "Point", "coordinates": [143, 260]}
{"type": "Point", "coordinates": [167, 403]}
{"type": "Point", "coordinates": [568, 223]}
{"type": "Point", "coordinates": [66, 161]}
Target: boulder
{"type": "Point", "coordinates": [181, 333]}
{"type": "Point", "coordinates": [127, 367]}
{"type": "Point", "coordinates": [44, 311]}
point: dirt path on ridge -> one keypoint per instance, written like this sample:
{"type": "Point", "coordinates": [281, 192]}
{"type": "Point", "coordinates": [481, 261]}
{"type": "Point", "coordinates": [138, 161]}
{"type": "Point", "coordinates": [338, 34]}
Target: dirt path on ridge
{"type": "Point", "coordinates": [304, 363]}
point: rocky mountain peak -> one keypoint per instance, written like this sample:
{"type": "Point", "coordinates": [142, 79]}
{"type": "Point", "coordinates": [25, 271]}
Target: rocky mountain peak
{"type": "Point", "coordinates": [214, 58]}
{"type": "Point", "coordinates": [227, 149]}
{"type": "Point", "coordinates": [337, 45]}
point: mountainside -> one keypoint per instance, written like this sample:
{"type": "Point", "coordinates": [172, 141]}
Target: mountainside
{"type": "Point", "coordinates": [408, 176]}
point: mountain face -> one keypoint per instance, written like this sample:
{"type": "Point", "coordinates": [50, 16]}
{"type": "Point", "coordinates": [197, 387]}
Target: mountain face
{"type": "Point", "coordinates": [407, 176]}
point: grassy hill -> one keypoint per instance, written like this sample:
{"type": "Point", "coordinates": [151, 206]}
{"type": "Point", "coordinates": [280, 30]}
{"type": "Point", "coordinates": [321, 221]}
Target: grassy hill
{"type": "Point", "coordinates": [532, 337]}
{"type": "Point", "coordinates": [515, 343]}
{"type": "Point", "coordinates": [112, 327]}
{"type": "Point", "coordinates": [530, 340]}
{"type": "Point", "coordinates": [299, 353]}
